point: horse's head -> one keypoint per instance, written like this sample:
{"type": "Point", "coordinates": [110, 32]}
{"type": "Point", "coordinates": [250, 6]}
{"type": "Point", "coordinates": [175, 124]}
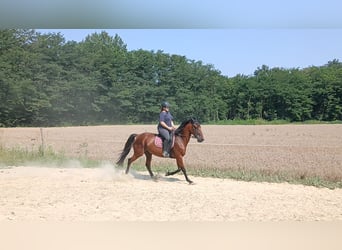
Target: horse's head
{"type": "Point", "coordinates": [193, 127]}
{"type": "Point", "coordinates": [196, 130]}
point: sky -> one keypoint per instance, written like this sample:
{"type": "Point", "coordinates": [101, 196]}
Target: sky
{"type": "Point", "coordinates": [172, 13]}
{"type": "Point", "coordinates": [231, 51]}
{"type": "Point", "coordinates": [235, 36]}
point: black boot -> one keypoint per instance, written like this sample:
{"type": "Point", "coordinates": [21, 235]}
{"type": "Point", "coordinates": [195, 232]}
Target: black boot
{"type": "Point", "coordinates": [166, 148]}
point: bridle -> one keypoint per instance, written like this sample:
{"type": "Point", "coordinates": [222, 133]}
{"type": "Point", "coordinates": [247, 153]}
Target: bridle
{"type": "Point", "coordinates": [195, 129]}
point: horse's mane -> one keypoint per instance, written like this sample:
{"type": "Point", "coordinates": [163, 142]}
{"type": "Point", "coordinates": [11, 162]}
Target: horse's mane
{"type": "Point", "coordinates": [179, 130]}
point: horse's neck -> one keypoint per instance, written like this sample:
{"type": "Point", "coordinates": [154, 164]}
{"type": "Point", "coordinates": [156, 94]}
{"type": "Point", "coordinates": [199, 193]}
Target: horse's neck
{"type": "Point", "coordinates": [186, 137]}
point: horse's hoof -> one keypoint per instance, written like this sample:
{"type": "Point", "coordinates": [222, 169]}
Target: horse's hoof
{"type": "Point", "coordinates": [191, 183]}
{"type": "Point", "coordinates": [167, 174]}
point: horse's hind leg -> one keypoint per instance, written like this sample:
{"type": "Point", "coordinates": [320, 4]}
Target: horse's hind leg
{"type": "Point", "coordinates": [129, 164]}
{"type": "Point", "coordinates": [130, 160]}
{"type": "Point", "coordinates": [148, 163]}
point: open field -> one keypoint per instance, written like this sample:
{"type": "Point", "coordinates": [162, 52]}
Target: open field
{"type": "Point", "coordinates": [305, 150]}
{"type": "Point", "coordinates": [73, 193]}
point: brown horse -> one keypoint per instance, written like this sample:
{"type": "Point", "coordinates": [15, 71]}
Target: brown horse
{"type": "Point", "coordinates": [144, 144]}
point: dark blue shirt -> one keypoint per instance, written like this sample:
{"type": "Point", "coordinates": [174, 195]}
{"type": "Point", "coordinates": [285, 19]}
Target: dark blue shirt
{"type": "Point", "coordinates": [165, 117]}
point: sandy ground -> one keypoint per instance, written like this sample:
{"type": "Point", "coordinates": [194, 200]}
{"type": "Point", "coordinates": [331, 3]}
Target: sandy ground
{"type": "Point", "coordinates": [107, 194]}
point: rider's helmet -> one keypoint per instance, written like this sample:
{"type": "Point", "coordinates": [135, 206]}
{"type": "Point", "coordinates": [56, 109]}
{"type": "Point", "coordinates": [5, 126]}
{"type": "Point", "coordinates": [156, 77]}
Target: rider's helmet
{"type": "Point", "coordinates": [165, 104]}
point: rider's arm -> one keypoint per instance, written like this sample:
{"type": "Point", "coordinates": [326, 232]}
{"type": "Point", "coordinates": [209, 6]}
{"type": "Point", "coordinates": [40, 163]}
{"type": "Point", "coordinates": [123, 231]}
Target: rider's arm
{"type": "Point", "coordinates": [164, 125]}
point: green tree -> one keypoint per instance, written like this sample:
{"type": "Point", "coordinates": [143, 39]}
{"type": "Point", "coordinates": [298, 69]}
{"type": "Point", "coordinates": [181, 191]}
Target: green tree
{"type": "Point", "coordinates": [46, 81]}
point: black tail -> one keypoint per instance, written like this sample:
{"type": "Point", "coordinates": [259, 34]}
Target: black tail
{"type": "Point", "coordinates": [126, 149]}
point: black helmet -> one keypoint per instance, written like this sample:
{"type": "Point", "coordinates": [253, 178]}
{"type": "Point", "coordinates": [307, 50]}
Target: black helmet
{"type": "Point", "coordinates": [165, 104]}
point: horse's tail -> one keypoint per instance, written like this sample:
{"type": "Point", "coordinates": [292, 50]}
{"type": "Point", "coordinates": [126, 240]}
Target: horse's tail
{"type": "Point", "coordinates": [126, 149]}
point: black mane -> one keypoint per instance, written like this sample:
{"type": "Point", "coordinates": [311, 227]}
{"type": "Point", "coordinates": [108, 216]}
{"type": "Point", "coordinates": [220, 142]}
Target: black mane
{"type": "Point", "coordinates": [179, 130]}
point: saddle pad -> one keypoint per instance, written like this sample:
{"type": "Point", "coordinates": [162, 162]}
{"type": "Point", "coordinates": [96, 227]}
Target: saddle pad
{"type": "Point", "coordinates": [159, 142]}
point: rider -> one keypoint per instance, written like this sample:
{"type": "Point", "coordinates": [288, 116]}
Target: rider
{"type": "Point", "coordinates": [165, 127]}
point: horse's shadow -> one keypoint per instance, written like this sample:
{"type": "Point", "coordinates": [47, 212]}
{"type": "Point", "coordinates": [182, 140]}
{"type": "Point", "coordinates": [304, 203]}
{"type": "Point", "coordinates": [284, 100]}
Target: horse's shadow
{"type": "Point", "coordinates": [157, 177]}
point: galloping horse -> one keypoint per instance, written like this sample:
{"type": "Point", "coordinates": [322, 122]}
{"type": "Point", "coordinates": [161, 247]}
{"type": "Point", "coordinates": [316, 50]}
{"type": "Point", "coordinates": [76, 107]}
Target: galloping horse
{"type": "Point", "coordinates": [144, 144]}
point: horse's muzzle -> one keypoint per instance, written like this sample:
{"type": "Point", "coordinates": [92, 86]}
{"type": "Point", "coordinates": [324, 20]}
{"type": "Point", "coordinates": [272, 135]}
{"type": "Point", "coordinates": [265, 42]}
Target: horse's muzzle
{"type": "Point", "coordinates": [200, 139]}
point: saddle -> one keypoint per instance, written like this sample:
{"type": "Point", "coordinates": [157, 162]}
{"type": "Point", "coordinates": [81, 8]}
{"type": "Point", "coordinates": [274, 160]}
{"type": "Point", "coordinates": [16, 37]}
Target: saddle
{"type": "Point", "coordinates": [158, 141]}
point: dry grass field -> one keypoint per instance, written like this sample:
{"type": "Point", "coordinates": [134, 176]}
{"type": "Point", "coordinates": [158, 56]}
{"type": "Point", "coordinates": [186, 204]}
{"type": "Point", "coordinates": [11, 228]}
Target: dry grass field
{"type": "Point", "coordinates": [306, 150]}
{"type": "Point", "coordinates": [73, 193]}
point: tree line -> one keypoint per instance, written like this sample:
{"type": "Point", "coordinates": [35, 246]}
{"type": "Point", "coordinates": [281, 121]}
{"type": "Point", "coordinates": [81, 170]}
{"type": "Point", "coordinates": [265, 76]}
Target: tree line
{"type": "Point", "coordinates": [48, 81]}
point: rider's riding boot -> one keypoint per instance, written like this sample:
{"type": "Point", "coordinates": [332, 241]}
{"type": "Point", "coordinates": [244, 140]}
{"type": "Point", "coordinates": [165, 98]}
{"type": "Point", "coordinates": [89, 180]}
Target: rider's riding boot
{"type": "Point", "coordinates": [166, 148]}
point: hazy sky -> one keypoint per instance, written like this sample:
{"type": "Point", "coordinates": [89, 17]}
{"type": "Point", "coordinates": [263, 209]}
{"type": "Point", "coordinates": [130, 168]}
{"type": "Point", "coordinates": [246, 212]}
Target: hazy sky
{"type": "Point", "coordinates": [172, 13]}
{"type": "Point", "coordinates": [233, 51]}
{"type": "Point", "coordinates": [236, 36]}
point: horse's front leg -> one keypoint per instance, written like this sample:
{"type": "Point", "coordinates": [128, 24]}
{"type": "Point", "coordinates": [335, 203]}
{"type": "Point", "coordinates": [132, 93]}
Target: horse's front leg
{"type": "Point", "coordinates": [180, 165]}
{"type": "Point", "coordinates": [173, 172]}
{"type": "Point", "coordinates": [186, 176]}
{"type": "Point", "coordinates": [176, 171]}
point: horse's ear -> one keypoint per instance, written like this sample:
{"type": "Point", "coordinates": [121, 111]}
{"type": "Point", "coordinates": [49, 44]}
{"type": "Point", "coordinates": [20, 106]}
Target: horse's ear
{"type": "Point", "coordinates": [194, 119]}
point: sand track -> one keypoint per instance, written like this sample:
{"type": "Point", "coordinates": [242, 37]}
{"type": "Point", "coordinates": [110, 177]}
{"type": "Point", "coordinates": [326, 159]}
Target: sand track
{"type": "Point", "coordinates": [105, 194]}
